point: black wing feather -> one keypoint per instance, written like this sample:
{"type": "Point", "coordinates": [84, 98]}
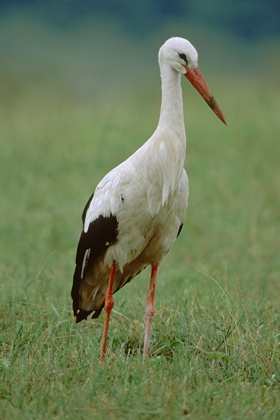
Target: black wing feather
{"type": "Point", "coordinates": [86, 208]}
{"type": "Point", "coordinates": [180, 228]}
{"type": "Point", "coordinates": [101, 233]}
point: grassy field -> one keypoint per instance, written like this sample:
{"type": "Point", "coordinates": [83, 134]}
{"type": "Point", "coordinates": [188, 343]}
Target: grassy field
{"type": "Point", "coordinates": [215, 336]}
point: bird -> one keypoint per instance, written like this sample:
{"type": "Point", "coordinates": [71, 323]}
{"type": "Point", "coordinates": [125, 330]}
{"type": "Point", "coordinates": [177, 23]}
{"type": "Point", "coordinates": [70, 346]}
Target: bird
{"type": "Point", "coordinates": [138, 209]}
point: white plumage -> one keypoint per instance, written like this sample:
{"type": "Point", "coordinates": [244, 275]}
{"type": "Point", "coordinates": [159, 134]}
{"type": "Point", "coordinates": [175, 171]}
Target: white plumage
{"type": "Point", "coordinates": [138, 208]}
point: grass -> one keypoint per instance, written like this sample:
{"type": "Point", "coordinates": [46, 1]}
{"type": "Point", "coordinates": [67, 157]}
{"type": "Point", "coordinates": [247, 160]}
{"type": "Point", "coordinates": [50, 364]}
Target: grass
{"type": "Point", "coordinates": [214, 350]}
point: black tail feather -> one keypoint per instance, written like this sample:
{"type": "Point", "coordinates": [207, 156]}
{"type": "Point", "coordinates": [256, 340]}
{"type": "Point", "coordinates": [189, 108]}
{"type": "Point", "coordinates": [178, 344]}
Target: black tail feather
{"type": "Point", "coordinates": [97, 312]}
{"type": "Point", "coordinates": [82, 315]}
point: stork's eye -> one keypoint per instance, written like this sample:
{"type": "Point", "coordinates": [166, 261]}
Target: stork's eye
{"type": "Point", "coordinates": [183, 57]}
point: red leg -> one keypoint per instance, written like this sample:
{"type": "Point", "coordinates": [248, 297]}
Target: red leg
{"type": "Point", "coordinates": [109, 304]}
{"type": "Point", "coordinates": [150, 309]}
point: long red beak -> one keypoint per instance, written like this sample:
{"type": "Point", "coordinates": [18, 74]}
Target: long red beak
{"type": "Point", "coordinates": [198, 81]}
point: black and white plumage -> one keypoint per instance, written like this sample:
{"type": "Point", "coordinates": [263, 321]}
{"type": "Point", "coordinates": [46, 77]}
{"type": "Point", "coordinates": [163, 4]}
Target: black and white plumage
{"type": "Point", "coordinates": [137, 210]}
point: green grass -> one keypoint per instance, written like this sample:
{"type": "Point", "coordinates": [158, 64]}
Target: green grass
{"type": "Point", "coordinates": [214, 351]}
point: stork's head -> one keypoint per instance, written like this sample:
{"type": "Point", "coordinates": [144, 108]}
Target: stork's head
{"type": "Point", "coordinates": [181, 55]}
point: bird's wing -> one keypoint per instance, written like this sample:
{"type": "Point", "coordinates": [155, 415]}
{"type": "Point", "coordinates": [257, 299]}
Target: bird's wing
{"type": "Point", "coordinates": [100, 227]}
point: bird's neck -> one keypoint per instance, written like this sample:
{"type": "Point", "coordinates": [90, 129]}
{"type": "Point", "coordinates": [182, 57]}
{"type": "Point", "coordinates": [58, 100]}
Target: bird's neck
{"type": "Point", "coordinates": [171, 113]}
{"type": "Point", "coordinates": [167, 145]}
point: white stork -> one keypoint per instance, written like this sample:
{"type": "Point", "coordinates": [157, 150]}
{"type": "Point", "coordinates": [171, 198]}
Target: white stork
{"type": "Point", "coordinates": [137, 210]}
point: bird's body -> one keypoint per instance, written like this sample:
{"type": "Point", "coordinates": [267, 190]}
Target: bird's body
{"type": "Point", "coordinates": [144, 208]}
{"type": "Point", "coordinates": [138, 208]}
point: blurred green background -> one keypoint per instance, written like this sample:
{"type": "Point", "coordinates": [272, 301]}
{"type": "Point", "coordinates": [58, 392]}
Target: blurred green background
{"type": "Point", "coordinates": [95, 45]}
